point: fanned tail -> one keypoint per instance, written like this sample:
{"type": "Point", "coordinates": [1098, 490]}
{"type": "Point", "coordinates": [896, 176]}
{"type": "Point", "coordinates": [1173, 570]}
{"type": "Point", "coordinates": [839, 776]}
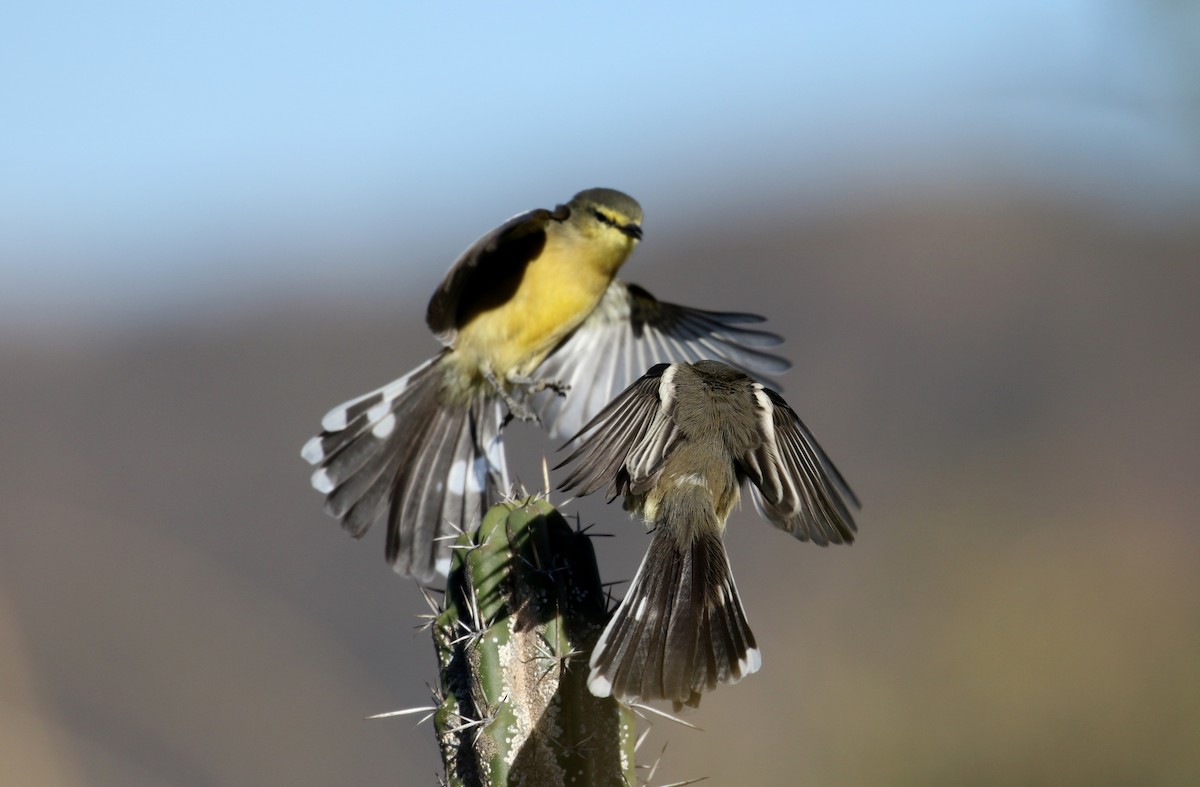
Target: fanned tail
{"type": "Point", "coordinates": [430, 466]}
{"type": "Point", "coordinates": [681, 629]}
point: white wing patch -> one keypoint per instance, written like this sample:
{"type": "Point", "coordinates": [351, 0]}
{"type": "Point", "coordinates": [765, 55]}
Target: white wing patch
{"type": "Point", "coordinates": [773, 480]}
{"type": "Point", "coordinates": [645, 455]}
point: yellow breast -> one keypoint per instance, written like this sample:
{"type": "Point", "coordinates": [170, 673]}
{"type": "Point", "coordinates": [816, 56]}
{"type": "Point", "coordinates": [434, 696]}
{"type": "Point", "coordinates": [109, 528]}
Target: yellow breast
{"type": "Point", "coordinates": [559, 289]}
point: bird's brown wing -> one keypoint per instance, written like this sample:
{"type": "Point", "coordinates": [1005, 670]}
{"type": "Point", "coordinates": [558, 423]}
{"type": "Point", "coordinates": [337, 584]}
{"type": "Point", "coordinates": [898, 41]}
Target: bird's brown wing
{"type": "Point", "coordinates": [625, 444]}
{"type": "Point", "coordinates": [797, 488]}
{"type": "Point", "coordinates": [489, 272]}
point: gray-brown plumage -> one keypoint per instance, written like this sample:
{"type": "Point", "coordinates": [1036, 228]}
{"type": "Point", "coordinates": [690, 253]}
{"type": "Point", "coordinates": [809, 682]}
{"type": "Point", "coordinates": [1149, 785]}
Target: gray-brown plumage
{"type": "Point", "coordinates": [677, 444]}
{"type": "Point", "coordinates": [533, 304]}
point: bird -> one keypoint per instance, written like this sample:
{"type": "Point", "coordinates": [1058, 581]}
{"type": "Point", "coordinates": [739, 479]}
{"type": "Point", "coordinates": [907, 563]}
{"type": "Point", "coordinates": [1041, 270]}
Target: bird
{"type": "Point", "coordinates": [678, 443]}
{"type": "Point", "coordinates": [534, 325]}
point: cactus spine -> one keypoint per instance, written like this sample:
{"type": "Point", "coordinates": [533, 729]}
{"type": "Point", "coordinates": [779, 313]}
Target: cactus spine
{"type": "Point", "coordinates": [523, 607]}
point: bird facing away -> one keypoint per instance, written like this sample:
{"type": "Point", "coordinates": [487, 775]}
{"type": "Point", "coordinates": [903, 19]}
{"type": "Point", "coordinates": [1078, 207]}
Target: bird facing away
{"type": "Point", "coordinates": [537, 295]}
{"type": "Point", "coordinates": [677, 444]}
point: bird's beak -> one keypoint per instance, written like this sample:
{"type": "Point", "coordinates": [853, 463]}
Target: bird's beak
{"type": "Point", "coordinates": [633, 231]}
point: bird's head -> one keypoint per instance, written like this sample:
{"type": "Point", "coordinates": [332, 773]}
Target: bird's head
{"type": "Point", "coordinates": [607, 215]}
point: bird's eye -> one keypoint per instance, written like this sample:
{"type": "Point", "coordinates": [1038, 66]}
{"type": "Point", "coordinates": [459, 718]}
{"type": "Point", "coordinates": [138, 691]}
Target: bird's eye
{"type": "Point", "coordinates": [600, 217]}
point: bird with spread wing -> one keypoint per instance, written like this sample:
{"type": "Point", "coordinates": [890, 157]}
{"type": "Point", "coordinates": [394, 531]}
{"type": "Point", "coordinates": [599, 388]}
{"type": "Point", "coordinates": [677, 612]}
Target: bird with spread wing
{"type": "Point", "coordinates": [534, 325]}
{"type": "Point", "coordinates": [677, 444]}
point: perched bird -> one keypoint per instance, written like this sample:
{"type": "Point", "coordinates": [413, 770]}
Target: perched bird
{"type": "Point", "coordinates": [677, 444]}
{"type": "Point", "coordinates": [528, 312]}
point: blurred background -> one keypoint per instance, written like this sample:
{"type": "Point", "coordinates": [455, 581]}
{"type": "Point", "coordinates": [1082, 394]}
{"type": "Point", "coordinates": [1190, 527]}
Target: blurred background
{"type": "Point", "coordinates": [976, 224]}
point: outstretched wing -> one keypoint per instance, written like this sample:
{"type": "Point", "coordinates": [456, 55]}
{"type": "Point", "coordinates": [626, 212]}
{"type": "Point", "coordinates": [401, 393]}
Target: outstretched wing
{"type": "Point", "coordinates": [630, 331]}
{"type": "Point", "coordinates": [628, 440]}
{"type": "Point", "coordinates": [795, 485]}
{"type": "Point", "coordinates": [489, 272]}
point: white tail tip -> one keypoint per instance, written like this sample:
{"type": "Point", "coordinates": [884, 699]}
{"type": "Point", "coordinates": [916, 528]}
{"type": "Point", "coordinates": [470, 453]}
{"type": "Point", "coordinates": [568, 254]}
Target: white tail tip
{"type": "Point", "coordinates": [312, 452]}
{"type": "Point", "coordinates": [334, 420]}
{"type": "Point", "coordinates": [322, 482]}
{"type": "Point", "coordinates": [599, 685]}
{"type": "Point", "coordinates": [751, 662]}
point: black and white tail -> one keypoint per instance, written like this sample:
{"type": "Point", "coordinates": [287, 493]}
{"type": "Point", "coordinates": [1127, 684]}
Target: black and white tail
{"type": "Point", "coordinates": [680, 630]}
{"type": "Point", "coordinates": [431, 468]}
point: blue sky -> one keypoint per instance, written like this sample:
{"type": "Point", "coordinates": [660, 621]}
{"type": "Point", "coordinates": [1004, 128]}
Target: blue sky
{"type": "Point", "coordinates": [143, 143]}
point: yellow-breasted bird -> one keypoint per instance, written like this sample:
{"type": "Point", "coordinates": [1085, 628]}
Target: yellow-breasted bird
{"type": "Point", "coordinates": [678, 444]}
{"type": "Point", "coordinates": [537, 295]}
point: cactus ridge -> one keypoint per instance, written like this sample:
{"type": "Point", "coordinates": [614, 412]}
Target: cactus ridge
{"type": "Point", "coordinates": [522, 609]}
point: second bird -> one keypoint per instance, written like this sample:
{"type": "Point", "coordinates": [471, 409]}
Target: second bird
{"type": "Point", "coordinates": [678, 444]}
{"type": "Point", "coordinates": [532, 309]}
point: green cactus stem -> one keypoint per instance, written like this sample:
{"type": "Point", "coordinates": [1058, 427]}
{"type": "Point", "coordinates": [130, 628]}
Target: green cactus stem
{"type": "Point", "coordinates": [523, 607]}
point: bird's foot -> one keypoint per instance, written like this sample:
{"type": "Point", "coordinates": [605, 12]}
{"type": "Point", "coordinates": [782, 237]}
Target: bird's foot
{"type": "Point", "coordinates": [534, 385]}
{"type": "Point", "coordinates": [516, 410]}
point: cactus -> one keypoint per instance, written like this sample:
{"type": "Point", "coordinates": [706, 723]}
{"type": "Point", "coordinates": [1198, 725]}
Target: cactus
{"type": "Point", "coordinates": [523, 607]}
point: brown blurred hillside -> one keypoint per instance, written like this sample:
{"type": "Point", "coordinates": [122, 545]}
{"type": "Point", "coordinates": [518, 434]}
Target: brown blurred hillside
{"type": "Point", "coordinates": [1010, 386]}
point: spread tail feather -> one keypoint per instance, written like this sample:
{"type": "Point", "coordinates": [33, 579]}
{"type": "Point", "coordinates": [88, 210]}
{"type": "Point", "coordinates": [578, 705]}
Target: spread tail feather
{"type": "Point", "coordinates": [431, 467]}
{"type": "Point", "coordinates": [680, 630]}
